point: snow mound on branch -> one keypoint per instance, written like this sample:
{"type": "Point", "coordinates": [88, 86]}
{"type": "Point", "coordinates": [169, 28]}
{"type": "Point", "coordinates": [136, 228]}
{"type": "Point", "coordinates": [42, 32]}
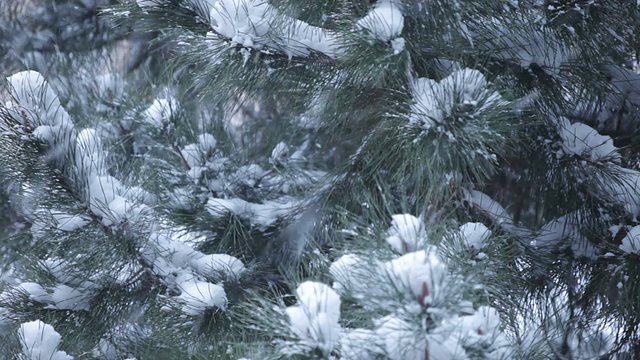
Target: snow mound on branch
{"type": "Point", "coordinates": [197, 296]}
{"type": "Point", "coordinates": [217, 264]}
{"type": "Point", "coordinates": [420, 275]}
{"type": "Point", "coordinates": [583, 140]}
{"type": "Point", "coordinates": [314, 320]}
{"type": "Point", "coordinates": [207, 142]}
{"type": "Point", "coordinates": [260, 214]}
{"type": "Point", "coordinates": [171, 256]}
{"type": "Point", "coordinates": [102, 190]}
{"type": "Point", "coordinates": [35, 291]}
{"type": "Point", "coordinates": [193, 155]}
{"type": "Point", "coordinates": [407, 233]}
{"type": "Point", "coordinates": [121, 209]}
{"type": "Point", "coordinates": [484, 322]}
{"type": "Point", "coordinates": [257, 25]}
{"type": "Point", "coordinates": [89, 154]}
{"type": "Point", "coordinates": [360, 344]}
{"type": "Point", "coordinates": [492, 209]}
{"type": "Point", "coordinates": [279, 153]}
{"type": "Point", "coordinates": [37, 105]}
{"type": "Point", "coordinates": [245, 22]}
{"type": "Point", "coordinates": [475, 235]}
{"type": "Point", "coordinates": [458, 336]}
{"type": "Point", "coordinates": [61, 296]}
{"type": "Point", "coordinates": [159, 113]}
{"type": "Point", "coordinates": [299, 38]}
{"type": "Point", "coordinates": [40, 342]}
{"type": "Point", "coordinates": [631, 242]}
{"type": "Point", "coordinates": [67, 222]}
{"type": "Point", "coordinates": [65, 297]}
{"type": "Point", "coordinates": [401, 338]}
{"type": "Point", "coordinates": [564, 233]}
{"type": "Point", "coordinates": [385, 21]}
{"type": "Point", "coordinates": [464, 90]}
{"type": "Point", "coordinates": [36, 100]}
{"type": "Point", "coordinates": [626, 190]}
{"type": "Point", "coordinates": [526, 44]}
{"type": "Point", "coordinates": [352, 273]}
{"type": "Point", "coordinates": [148, 3]}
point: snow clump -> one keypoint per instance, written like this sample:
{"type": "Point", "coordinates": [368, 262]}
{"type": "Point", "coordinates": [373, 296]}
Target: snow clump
{"type": "Point", "coordinates": [420, 275]}
{"type": "Point", "coordinates": [584, 141]}
{"type": "Point", "coordinates": [40, 342]}
{"type": "Point", "coordinates": [314, 320]}
{"type": "Point", "coordinates": [631, 242]}
{"type": "Point", "coordinates": [197, 296]}
{"type": "Point", "coordinates": [384, 22]}
{"type": "Point", "coordinates": [407, 233]}
{"type": "Point", "coordinates": [465, 90]}
{"type": "Point", "coordinates": [474, 236]}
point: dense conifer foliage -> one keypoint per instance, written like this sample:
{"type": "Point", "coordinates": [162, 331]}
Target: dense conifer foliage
{"type": "Point", "coordinates": [340, 179]}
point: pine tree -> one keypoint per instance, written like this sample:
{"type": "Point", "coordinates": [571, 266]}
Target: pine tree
{"type": "Point", "coordinates": [385, 179]}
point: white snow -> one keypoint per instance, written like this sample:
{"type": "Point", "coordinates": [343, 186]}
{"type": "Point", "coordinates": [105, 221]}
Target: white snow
{"type": "Point", "coordinates": [36, 100]}
{"type": "Point", "coordinates": [46, 133]}
{"type": "Point", "coordinates": [193, 155]}
{"type": "Point", "coordinates": [385, 21]}
{"type": "Point", "coordinates": [245, 22]}
{"type": "Point", "coordinates": [35, 291]}
{"type": "Point", "coordinates": [626, 189]}
{"type": "Point", "coordinates": [195, 173]}
{"type": "Point", "coordinates": [139, 194]}
{"type": "Point", "coordinates": [121, 209]}
{"type": "Point", "coordinates": [197, 296]}
{"type": "Point", "coordinates": [583, 140]}
{"type": "Point", "coordinates": [65, 297]}
{"type": "Point", "coordinates": [485, 322]}
{"type": "Point", "coordinates": [418, 275]}
{"type": "Point", "coordinates": [61, 296]}
{"type": "Point", "coordinates": [148, 3]}
{"type": "Point", "coordinates": [564, 233]}
{"type": "Point", "coordinates": [475, 235]}
{"type": "Point", "coordinates": [207, 142]}
{"type": "Point", "coordinates": [40, 342]}
{"type": "Point", "coordinates": [493, 210]}
{"type": "Point", "coordinates": [247, 174]}
{"type": "Point", "coordinates": [480, 330]}
{"type": "Point", "coordinates": [182, 199]}
{"type": "Point", "coordinates": [359, 344]}
{"type": "Point", "coordinates": [397, 45]}
{"type": "Point", "coordinates": [89, 154]}
{"type": "Point", "coordinates": [407, 233]}
{"type": "Point", "coordinates": [159, 113]}
{"type": "Point", "coordinates": [526, 44]}
{"type": "Point", "coordinates": [631, 242]}
{"type": "Point", "coordinates": [162, 246]}
{"type": "Point", "coordinates": [39, 105]}
{"type": "Point", "coordinates": [214, 265]}
{"type": "Point", "coordinates": [436, 101]}
{"type": "Point", "coordinates": [257, 25]}
{"type": "Point", "coordinates": [351, 273]}
{"type": "Point", "coordinates": [402, 340]}
{"type": "Point", "coordinates": [299, 38]}
{"type": "Point", "coordinates": [444, 345]}
{"type": "Point", "coordinates": [180, 266]}
{"type": "Point", "coordinates": [314, 320]}
{"type": "Point", "coordinates": [261, 214]}
{"type": "Point", "coordinates": [67, 222]}
{"type": "Point", "coordinates": [279, 153]}
{"type": "Point", "coordinates": [102, 190]}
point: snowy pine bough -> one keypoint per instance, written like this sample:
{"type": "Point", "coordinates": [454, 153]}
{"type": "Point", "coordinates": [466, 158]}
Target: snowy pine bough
{"type": "Point", "coordinates": [385, 179]}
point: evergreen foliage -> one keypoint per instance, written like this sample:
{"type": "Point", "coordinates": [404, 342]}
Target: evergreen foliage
{"type": "Point", "coordinates": [390, 179]}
